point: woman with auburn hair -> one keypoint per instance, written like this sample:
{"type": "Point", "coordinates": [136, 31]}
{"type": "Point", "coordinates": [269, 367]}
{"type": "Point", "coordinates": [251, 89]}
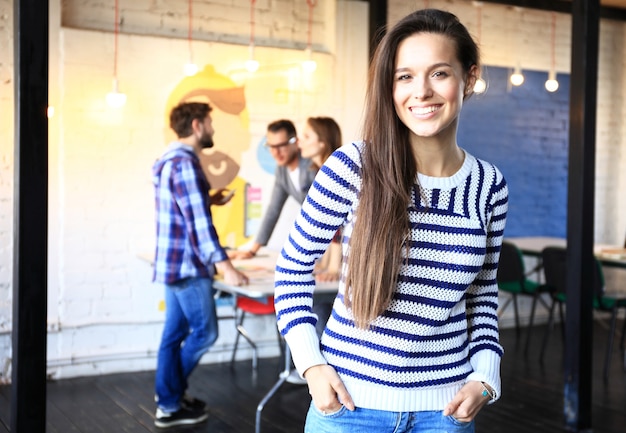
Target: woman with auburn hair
{"type": "Point", "coordinates": [321, 136]}
{"type": "Point", "coordinates": [412, 344]}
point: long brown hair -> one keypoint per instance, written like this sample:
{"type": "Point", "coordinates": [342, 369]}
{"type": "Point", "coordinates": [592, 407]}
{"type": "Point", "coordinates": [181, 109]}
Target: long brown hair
{"type": "Point", "coordinates": [328, 132]}
{"type": "Point", "coordinates": [389, 169]}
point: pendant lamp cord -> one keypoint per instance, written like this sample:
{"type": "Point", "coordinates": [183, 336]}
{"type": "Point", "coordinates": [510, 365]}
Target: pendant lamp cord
{"type": "Point", "coordinates": [252, 3]}
{"type": "Point", "coordinates": [116, 31]}
{"type": "Point", "coordinates": [312, 4]}
{"type": "Point", "coordinates": [553, 54]}
{"type": "Point", "coordinates": [190, 28]}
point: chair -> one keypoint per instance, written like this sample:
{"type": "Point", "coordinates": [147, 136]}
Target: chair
{"type": "Point", "coordinates": [512, 278]}
{"type": "Point", "coordinates": [555, 270]}
{"type": "Point", "coordinates": [243, 306]}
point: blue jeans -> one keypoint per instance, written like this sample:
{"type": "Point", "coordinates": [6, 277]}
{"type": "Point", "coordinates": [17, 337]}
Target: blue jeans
{"type": "Point", "coordinates": [381, 421]}
{"type": "Point", "coordinates": [190, 329]}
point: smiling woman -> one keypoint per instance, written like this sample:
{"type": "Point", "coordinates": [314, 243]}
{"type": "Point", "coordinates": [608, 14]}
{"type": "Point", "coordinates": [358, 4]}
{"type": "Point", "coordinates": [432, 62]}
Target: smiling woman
{"type": "Point", "coordinates": [429, 88]}
{"type": "Point", "coordinates": [416, 331]}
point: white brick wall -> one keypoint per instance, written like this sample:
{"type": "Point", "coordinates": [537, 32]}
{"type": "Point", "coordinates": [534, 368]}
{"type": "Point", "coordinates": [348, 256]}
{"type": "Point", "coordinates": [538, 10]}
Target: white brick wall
{"type": "Point", "coordinates": [103, 311]}
{"type": "Point", "coordinates": [278, 23]}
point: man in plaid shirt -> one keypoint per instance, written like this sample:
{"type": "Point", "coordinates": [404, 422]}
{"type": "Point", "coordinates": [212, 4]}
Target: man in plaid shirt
{"type": "Point", "coordinates": [188, 253]}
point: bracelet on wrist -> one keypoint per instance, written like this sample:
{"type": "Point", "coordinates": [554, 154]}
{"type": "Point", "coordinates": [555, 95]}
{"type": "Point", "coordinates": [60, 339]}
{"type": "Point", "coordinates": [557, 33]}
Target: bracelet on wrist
{"type": "Point", "coordinates": [487, 392]}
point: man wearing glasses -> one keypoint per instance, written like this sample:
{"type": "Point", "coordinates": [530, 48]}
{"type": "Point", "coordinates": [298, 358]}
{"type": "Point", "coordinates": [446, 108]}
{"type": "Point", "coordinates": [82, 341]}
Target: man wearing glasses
{"type": "Point", "coordinates": [293, 177]}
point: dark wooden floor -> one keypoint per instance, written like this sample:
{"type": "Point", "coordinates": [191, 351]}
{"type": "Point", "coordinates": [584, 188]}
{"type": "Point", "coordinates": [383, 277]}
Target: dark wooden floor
{"type": "Point", "coordinates": [532, 399]}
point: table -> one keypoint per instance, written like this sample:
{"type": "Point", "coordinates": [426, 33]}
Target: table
{"type": "Point", "coordinates": [260, 270]}
{"type": "Point", "coordinates": [532, 246]}
{"type": "Point", "coordinates": [610, 256]}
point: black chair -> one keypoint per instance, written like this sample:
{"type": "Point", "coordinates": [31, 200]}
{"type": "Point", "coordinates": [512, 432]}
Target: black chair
{"type": "Point", "coordinates": [513, 278]}
{"type": "Point", "coordinates": [555, 270]}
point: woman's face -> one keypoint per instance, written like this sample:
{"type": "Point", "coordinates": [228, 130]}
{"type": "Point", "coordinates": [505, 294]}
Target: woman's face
{"type": "Point", "coordinates": [310, 144]}
{"type": "Point", "coordinates": [429, 84]}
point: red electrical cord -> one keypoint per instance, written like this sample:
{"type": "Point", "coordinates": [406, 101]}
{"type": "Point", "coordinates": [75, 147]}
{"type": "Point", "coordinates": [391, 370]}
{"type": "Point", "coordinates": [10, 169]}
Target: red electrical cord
{"type": "Point", "coordinates": [117, 29]}
{"type": "Point", "coordinates": [553, 57]}
{"type": "Point", "coordinates": [190, 28]}
{"type": "Point", "coordinates": [312, 4]}
{"type": "Point", "coordinates": [252, 2]}
{"type": "Point", "coordinates": [479, 22]}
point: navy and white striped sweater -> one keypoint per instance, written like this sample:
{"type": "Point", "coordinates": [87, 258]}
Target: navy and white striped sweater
{"type": "Point", "coordinates": [441, 328]}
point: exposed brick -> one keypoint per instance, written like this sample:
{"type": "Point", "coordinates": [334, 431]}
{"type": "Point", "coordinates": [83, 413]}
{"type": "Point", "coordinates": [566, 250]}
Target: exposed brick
{"type": "Point", "coordinates": [101, 193]}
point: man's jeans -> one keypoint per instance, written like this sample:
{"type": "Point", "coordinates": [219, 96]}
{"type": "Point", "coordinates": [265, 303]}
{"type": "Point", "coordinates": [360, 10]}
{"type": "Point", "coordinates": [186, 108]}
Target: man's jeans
{"type": "Point", "coordinates": [190, 329]}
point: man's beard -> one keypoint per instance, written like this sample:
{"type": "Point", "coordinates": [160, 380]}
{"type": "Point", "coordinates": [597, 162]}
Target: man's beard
{"type": "Point", "coordinates": [206, 142]}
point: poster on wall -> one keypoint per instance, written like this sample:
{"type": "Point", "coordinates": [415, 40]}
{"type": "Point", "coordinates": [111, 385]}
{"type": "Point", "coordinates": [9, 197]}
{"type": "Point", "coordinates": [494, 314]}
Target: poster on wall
{"type": "Point", "coordinates": [253, 210]}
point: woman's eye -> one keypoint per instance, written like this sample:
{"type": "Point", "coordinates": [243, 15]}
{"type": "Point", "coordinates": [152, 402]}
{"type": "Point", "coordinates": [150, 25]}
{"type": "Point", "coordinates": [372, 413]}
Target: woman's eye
{"type": "Point", "coordinates": [440, 74]}
{"type": "Point", "coordinates": [403, 77]}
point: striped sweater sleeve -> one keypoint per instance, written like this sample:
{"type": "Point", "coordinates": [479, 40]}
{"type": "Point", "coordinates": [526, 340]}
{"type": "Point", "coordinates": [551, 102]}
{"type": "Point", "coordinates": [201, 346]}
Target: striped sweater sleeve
{"type": "Point", "coordinates": [324, 210]}
{"type": "Point", "coordinates": [482, 295]}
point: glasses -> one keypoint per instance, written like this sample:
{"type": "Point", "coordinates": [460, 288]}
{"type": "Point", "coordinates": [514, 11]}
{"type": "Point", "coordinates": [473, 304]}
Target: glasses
{"type": "Point", "coordinates": [278, 146]}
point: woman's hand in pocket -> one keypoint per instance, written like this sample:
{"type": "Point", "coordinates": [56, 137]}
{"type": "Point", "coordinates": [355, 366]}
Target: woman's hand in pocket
{"type": "Point", "coordinates": [467, 402]}
{"type": "Point", "coordinates": [327, 389]}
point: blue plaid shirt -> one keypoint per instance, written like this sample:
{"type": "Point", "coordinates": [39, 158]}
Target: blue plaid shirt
{"type": "Point", "coordinates": [187, 243]}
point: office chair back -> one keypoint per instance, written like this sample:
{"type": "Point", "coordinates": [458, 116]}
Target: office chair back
{"type": "Point", "coordinates": [555, 268]}
{"type": "Point", "coordinates": [511, 266]}
{"type": "Point", "coordinates": [555, 271]}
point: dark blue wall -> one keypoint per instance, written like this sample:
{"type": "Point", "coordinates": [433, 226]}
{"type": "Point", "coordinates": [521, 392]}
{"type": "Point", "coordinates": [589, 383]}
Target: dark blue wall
{"type": "Point", "coordinates": [524, 132]}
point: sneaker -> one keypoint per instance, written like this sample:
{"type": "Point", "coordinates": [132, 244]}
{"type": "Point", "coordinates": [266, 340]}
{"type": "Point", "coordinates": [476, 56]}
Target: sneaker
{"type": "Point", "coordinates": [193, 403]}
{"type": "Point", "coordinates": [182, 416]}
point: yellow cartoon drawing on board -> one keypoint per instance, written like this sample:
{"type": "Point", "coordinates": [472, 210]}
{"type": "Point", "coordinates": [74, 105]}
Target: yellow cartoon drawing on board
{"type": "Point", "coordinates": [221, 164]}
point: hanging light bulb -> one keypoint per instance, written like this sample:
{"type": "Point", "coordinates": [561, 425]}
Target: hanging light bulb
{"type": "Point", "coordinates": [309, 65]}
{"type": "Point", "coordinates": [252, 65]}
{"type": "Point", "coordinates": [190, 68]}
{"type": "Point", "coordinates": [552, 85]}
{"type": "Point", "coordinates": [114, 98]}
{"type": "Point", "coordinates": [517, 79]}
{"type": "Point", "coordinates": [480, 86]}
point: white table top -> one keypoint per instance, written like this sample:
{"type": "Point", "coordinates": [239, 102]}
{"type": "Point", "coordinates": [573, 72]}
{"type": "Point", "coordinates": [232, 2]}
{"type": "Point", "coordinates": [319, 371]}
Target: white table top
{"type": "Point", "coordinates": [535, 244]}
{"type": "Point", "coordinates": [609, 255]}
{"type": "Point", "coordinates": [260, 270]}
